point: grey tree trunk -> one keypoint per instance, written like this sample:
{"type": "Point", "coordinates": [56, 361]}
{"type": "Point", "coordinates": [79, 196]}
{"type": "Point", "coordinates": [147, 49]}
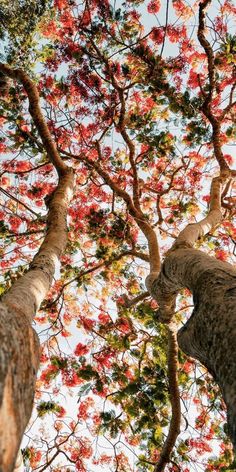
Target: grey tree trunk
{"type": "Point", "coordinates": [210, 333]}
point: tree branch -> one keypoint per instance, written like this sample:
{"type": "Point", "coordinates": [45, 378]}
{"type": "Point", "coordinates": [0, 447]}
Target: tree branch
{"type": "Point", "coordinates": [105, 263]}
{"type": "Point", "coordinates": [189, 236]}
{"type": "Point", "coordinates": [36, 113]}
{"type": "Point", "coordinates": [133, 205]}
{"type": "Point", "coordinates": [131, 147]}
{"type": "Point", "coordinates": [128, 303]}
{"type": "Point", "coordinates": [206, 107]}
{"type": "Point", "coordinates": [141, 220]}
{"type": "Point", "coordinates": [174, 429]}
{"type": "Point", "coordinates": [209, 53]}
{"type": "Point", "coordinates": [9, 195]}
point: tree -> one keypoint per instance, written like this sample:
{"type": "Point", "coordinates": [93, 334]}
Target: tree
{"type": "Point", "coordinates": [18, 25]}
{"type": "Point", "coordinates": [144, 134]}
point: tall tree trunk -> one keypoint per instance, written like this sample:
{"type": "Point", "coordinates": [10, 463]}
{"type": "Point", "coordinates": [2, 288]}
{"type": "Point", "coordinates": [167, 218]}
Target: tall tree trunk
{"type": "Point", "coordinates": [209, 334]}
{"type": "Point", "coordinates": [19, 344]}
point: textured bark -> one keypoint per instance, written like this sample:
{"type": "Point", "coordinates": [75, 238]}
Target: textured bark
{"type": "Point", "coordinates": [209, 335]}
{"type": "Point", "coordinates": [19, 345]}
{"type": "Point", "coordinates": [19, 360]}
{"type": "Point", "coordinates": [195, 231]}
{"type": "Point", "coordinates": [19, 465]}
{"type": "Point", "coordinates": [28, 292]}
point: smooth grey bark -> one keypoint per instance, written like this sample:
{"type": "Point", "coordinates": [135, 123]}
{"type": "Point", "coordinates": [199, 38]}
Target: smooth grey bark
{"type": "Point", "coordinates": [210, 333]}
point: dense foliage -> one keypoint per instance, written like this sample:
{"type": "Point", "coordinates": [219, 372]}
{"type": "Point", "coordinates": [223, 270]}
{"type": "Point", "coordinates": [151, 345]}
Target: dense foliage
{"type": "Point", "coordinates": [128, 93]}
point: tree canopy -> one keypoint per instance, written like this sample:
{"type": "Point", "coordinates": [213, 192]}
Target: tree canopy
{"type": "Point", "coordinates": [138, 99]}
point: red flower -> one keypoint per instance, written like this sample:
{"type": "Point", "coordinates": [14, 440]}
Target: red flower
{"type": "Point", "coordinates": [104, 359]}
{"type": "Point", "coordinates": [60, 4]}
{"type": "Point", "coordinates": [70, 378]}
{"type": "Point", "coordinates": [60, 411]}
{"type": "Point", "coordinates": [81, 349]}
{"type": "Point", "coordinates": [187, 367]}
{"type": "Point", "coordinates": [221, 254]}
{"type": "Point", "coordinates": [49, 373]}
{"type": "Point", "coordinates": [83, 409]}
{"type": "Point", "coordinates": [123, 325]}
{"type": "Point", "coordinates": [15, 222]}
{"type": "Point", "coordinates": [65, 333]}
{"type": "Point", "coordinates": [154, 6]}
{"type": "Point", "coordinates": [194, 79]}
{"type": "Point", "coordinates": [34, 457]}
{"type": "Point", "coordinates": [2, 147]}
{"type": "Point", "coordinates": [104, 318]}
{"type": "Point", "coordinates": [87, 323]}
{"type": "Point", "coordinates": [200, 445]}
{"type": "Point", "coordinates": [5, 182]}
{"type": "Point", "coordinates": [157, 35]}
{"type": "Point", "coordinates": [229, 159]}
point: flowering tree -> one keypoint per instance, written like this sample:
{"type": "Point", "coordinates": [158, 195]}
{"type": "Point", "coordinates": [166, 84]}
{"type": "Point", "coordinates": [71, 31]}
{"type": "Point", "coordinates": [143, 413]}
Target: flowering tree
{"type": "Point", "coordinates": [129, 108]}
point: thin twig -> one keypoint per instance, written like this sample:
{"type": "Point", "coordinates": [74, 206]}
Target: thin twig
{"type": "Point", "coordinates": [9, 195]}
{"type": "Point", "coordinates": [174, 429]}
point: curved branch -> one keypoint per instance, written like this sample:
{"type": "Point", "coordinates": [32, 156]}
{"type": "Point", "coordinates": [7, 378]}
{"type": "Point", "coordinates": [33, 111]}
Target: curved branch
{"type": "Point", "coordinates": [128, 303]}
{"type": "Point", "coordinates": [133, 205]}
{"type": "Point", "coordinates": [105, 263]}
{"type": "Point", "coordinates": [166, 297]}
{"type": "Point", "coordinates": [142, 222]}
{"type": "Point", "coordinates": [131, 147]}
{"type": "Point", "coordinates": [209, 52]}
{"type": "Point", "coordinates": [28, 292]}
{"type": "Point", "coordinates": [189, 236]}
{"type": "Point", "coordinates": [206, 107]}
{"type": "Point", "coordinates": [36, 113]}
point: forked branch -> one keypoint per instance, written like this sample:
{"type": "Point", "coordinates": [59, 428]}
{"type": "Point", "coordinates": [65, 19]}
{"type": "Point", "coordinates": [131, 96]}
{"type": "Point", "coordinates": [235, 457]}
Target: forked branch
{"type": "Point", "coordinates": [195, 231]}
{"type": "Point", "coordinates": [139, 217]}
{"type": "Point", "coordinates": [36, 113]}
